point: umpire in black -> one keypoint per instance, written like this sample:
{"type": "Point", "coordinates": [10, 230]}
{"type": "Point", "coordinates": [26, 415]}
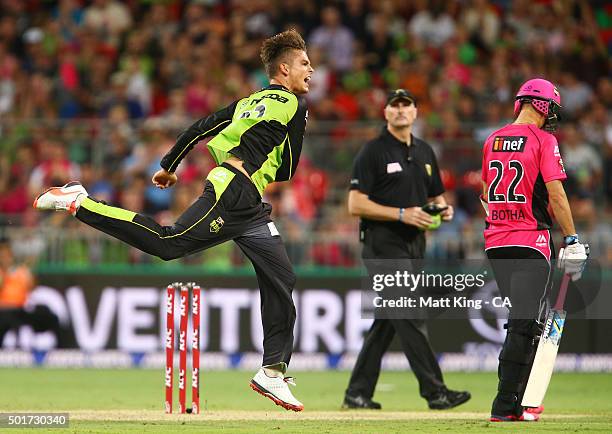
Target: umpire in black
{"type": "Point", "coordinates": [393, 176]}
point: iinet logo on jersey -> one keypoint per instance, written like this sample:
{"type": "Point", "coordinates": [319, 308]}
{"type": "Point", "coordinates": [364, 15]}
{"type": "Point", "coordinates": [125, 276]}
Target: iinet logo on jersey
{"type": "Point", "coordinates": [541, 241]}
{"type": "Point", "coordinates": [509, 143]}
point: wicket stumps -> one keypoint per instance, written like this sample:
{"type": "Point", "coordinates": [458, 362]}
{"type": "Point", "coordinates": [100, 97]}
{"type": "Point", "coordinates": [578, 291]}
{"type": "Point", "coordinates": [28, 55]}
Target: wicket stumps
{"type": "Point", "coordinates": [195, 345]}
{"type": "Point", "coordinates": [195, 350]}
{"type": "Point", "coordinates": [170, 293]}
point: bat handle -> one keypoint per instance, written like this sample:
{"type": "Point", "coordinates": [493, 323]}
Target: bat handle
{"type": "Point", "coordinates": [562, 292]}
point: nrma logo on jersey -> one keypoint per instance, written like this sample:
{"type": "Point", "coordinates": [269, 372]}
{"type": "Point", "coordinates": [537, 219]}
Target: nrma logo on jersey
{"type": "Point", "coordinates": [509, 143]}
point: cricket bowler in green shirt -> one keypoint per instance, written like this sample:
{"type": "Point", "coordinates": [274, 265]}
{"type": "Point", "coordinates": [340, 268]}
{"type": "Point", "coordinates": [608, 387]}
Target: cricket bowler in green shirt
{"type": "Point", "coordinates": [256, 140]}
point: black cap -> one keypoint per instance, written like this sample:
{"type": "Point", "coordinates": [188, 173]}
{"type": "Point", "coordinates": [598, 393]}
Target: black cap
{"type": "Point", "coordinates": [400, 94]}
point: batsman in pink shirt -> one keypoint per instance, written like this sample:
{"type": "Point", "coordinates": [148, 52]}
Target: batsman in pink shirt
{"type": "Point", "coordinates": [522, 174]}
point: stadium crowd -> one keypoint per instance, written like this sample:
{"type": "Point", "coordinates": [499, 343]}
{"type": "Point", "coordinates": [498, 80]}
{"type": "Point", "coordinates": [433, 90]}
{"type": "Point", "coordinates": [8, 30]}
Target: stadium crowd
{"type": "Point", "coordinates": [97, 91]}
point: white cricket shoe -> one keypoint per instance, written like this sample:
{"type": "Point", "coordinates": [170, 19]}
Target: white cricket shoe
{"type": "Point", "coordinates": [277, 389]}
{"type": "Point", "coordinates": [65, 198]}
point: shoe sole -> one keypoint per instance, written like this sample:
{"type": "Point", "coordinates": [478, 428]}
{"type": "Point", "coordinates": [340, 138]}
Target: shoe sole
{"type": "Point", "coordinates": [505, 419]}
{"type": "Point", "coordinates": [513, 418]}
{"type": "Point", "coordinates": [348, 407]}
{"type": "Point", "coordinates": [456, 404]}
{"type": "Point", "coordinates": [262, 391]}
{"type": "Point", "coordinates": [535, 410]}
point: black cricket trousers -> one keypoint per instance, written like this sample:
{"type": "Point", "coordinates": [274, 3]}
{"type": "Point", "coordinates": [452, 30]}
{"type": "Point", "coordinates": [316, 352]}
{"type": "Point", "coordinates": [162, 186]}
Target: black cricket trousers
{"type": "Point", "coordinates": [230, 208]}
{"type": "Point", "coordinates": [524, 275]}
{"type": "Point", "coordinates": [378, 244]}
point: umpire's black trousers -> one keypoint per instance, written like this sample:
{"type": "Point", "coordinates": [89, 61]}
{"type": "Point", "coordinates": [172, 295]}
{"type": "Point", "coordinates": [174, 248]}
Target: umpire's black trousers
{"type": "Point", "coordinates": [379, 244]}
{"type": "Point", "coordinates": [230, 208]}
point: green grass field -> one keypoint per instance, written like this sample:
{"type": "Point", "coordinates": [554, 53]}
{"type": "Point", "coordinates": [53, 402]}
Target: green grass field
{"type": "Point", "coordinates": [132, 401]}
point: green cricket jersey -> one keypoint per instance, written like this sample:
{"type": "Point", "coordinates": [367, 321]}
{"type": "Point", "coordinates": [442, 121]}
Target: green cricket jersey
{"type": "Point", "coordinates": [264, 130]}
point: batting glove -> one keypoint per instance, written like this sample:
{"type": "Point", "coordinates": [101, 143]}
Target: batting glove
{"type": "Point", "coordinates": [572, 257]}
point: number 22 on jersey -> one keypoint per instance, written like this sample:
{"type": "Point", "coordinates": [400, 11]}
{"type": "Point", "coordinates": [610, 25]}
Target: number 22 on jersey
{"type": "Point", "coordinates": [514, 170]}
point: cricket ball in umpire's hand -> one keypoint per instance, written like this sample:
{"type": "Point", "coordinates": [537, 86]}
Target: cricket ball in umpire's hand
{"type": "Point", "coordinates": [437, 221]}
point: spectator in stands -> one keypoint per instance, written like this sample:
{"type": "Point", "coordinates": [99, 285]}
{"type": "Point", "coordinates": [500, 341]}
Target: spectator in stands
{"type": "Point", "coordinates": [576, 94]}
{"type": "Point", "coordinates": [176, 114]}
{"type": "Point", "coordinates": [378, 43]}
{"type": "Point", "coordinates": [118, 95]}
{"type": "Point", "coordinates": [69, 16]}
{"type": "Point", "coordinates": [8, 71]}
{"type": "Point", "coordinates": [431, 23]}
{"type": "Point", "coordinates": [355, 16]}
{"type": "Point", "coordinates": [16, 283]}
{"type": "Point", "coordinates": [584, 168]}
{"type": "Point", "coordinates": [108, 19]}
{"type": "Point", "coordinates": [320, 81]}
{"type": "Point", "coordinates": [55, 167]}
{"type": "Point", "coordinates": [16, 280]}
{"type": "Point", "coordinates": [482, 24]}
{"type": "Point", "coordinates": [335, 39]}
{"type": "Point", "coordinates": [14, 173]}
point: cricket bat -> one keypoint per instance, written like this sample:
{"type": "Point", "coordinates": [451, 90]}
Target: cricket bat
{"type": "Point", "coordinates": [546, 354]}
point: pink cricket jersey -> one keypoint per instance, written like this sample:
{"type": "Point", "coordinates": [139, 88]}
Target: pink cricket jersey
{"type": "Point", "coordinates": [517, 161]}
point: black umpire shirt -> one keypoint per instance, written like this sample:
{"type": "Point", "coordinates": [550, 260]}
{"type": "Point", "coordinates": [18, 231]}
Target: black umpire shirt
{"type": "Point", "coordinates": [394, 174]}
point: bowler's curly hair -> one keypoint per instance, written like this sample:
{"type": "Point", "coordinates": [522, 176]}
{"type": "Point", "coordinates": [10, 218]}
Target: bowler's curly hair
{"type": "Point", "coordinates": [276, 48]}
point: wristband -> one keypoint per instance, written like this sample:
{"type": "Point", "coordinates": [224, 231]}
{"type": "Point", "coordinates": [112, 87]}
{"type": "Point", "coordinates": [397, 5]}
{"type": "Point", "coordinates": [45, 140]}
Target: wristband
{"type": "Point", "coordinates": [401, 214]}
{"type": "Point", "coordinates": [571, 239]}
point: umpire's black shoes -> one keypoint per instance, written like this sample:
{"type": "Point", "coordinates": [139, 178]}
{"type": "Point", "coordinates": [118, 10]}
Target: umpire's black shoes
{"type": "Point", "coordinates": [359, 401]}
{"type": "Point", "coordinates": [446, 399]}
